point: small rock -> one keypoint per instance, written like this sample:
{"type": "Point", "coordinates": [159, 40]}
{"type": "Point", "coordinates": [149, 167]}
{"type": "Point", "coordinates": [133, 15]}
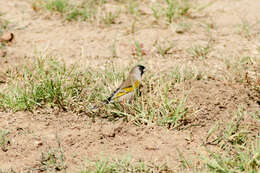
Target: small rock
{"type": "Point", "coordinates": [7, 37]}
{"type": "Point", "coordinates": [38, 143]}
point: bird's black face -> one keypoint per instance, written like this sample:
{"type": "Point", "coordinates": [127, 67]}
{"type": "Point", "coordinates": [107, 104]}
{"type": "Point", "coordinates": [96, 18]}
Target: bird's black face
{"type": "Point", "coordinates": [142, 69]}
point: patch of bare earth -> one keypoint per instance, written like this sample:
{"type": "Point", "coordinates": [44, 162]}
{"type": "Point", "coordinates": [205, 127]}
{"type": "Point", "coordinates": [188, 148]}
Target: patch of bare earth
{"type": "Point", "coordinates": [213, 99]}
{"type": "Point", "coordinates": [82, 140]}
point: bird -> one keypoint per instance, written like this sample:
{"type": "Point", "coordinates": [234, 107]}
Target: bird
{"type": "Point", "coordinates": [126, 91]}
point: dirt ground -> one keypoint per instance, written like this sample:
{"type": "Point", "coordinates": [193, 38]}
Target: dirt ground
{"type": "Point", "coordinates": [212, 100]}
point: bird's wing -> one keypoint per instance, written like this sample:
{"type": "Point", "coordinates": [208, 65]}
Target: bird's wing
{"type": "Point", "coordinates": [128, 89]}
{"type": "Point", "coordinates": [123, 91]}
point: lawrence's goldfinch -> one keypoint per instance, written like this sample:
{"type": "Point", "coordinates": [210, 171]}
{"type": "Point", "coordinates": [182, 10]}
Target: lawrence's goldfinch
{"type": "Point", "coordinates": [126, 91]}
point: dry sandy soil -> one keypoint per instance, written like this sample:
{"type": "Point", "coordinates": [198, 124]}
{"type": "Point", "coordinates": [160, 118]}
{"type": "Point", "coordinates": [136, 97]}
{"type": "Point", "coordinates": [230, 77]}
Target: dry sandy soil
{"type": "Point", "coordinates": [212, 100]}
